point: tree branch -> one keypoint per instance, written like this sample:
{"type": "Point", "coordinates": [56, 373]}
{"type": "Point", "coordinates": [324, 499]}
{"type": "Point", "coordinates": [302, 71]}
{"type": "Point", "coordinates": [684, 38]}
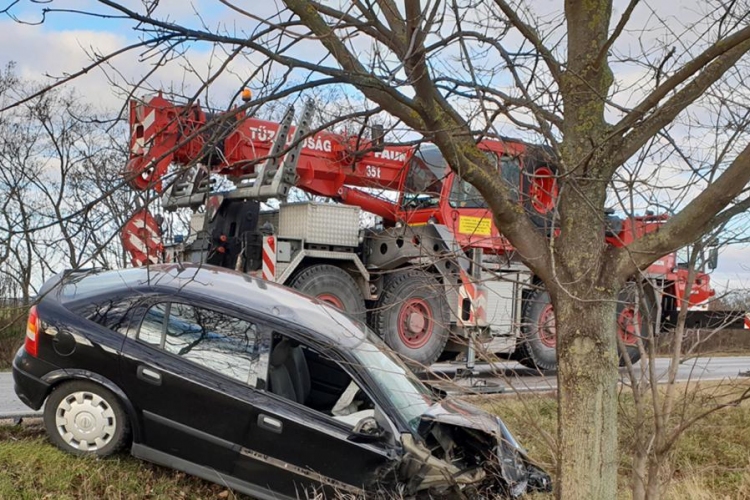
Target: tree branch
{"type": "Point", "coordinates": [532, 36]}
{"type": "Point", "coordinates": [683, 74]}
{"type": "Point", "coordinates": [624, 149]}
{"type": "Point", "coordinates": [691, 222]}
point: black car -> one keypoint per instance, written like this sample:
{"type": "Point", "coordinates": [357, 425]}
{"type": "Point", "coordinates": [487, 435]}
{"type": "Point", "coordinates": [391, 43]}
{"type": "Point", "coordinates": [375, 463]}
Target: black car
{"type": "Point", "coordinates": [250, 385]}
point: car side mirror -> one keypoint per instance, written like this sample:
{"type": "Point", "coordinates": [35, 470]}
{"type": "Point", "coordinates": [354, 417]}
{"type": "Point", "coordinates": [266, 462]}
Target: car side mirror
{"type": "Point", "coordinates": [367, 430]}
{"type": "Point", "coordinates": [713, 258]}
{"type": "Point", "coordinates": [437, 392]}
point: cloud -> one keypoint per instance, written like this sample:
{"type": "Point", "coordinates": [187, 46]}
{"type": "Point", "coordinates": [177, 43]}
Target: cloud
{"type": "Point", "coordinates": [66, 43]}
{"type": "Point", "coordinates": [44, 56]}
{"type": "Point", "coordinates": [733, 271]}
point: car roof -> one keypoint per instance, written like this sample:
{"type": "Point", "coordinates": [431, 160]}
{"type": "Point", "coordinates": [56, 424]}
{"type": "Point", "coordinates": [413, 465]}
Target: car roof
{"type": "Point", "coordinates": [232, 289]}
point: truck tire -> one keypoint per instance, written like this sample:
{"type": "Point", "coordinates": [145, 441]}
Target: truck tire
{"type": "Point", "coordinates": [332, 285]}
{"type": "Point", "coordinates": [627, 325]}
{"type": "Point", "coordinates": [538, 340]}
{"type": "Point", "coordinates": [538, 343]}
{"type": "Point", "coordinates": [412, 317]}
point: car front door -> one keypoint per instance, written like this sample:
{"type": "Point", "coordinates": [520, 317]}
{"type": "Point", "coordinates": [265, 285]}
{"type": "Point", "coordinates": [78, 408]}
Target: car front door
{"type": "Point", "coordinates": [297, 449]}
{"type": "Point", "coordinates": [191, 372]}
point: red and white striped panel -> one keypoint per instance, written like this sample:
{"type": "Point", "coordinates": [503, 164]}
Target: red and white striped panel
{"type": "Point", "coordinates": [146, 120]}
{"type": "Point", "coordinates": [141, 238]}
{"type": "Point", "coordinates": [477, 296]}
{"type": "Point", "coordinates": [747, 321]}
{"type": "Point", "coordinates": [269, 258]}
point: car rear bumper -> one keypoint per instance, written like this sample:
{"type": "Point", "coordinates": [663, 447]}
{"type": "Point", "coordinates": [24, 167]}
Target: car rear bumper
{"type": "Point", "coordinates": [29, 388]}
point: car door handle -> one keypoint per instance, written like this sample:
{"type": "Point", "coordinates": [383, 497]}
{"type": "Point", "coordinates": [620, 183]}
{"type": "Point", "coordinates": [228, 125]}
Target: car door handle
{"type": "Point", "coordinates": [270, 423]}
{"type": "Point", "coordinates": [149, 375]}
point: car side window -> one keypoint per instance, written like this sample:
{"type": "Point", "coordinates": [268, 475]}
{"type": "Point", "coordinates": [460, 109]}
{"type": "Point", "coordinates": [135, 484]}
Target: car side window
{"type": "Point", "coordinates": [314, 379]}
{"type": "Point", "coordinates": [225, 344]}
{"type": "Point", "coordinates": [113, 313]}
{"type": "Point", "coordinates": [152, 327]}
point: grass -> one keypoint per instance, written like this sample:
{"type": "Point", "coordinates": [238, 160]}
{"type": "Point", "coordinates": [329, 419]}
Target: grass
{"type": "Point", "coordinates": [711, 461]}
{"type": "Point", "coordinates": [34, 469]}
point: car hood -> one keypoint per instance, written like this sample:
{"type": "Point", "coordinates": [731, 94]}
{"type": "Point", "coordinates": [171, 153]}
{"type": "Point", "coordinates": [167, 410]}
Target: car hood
{"type": "Point", "coordinates": [464, 448]}
{"type": "Point", "coordinates": [462, 414]}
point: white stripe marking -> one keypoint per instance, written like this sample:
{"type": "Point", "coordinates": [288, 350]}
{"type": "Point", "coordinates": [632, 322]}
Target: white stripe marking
{"type": "Point", "coordinates": [149, 120]}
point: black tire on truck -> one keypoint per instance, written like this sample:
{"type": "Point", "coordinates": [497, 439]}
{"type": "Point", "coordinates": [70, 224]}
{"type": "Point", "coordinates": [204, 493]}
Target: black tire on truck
{"type": "Point", "coordinates": [634, 321]}
{"type": "Point", "coordinates": [538, 340]}
{"type": "Point", "coordinates": [332, 285]}
{"type": "Point", "coordinates": [537, 344]}
{"type": "Point", "coordinates": [412, 317]}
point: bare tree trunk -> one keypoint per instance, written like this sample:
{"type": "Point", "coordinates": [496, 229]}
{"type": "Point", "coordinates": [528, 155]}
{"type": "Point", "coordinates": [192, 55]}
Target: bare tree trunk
{"type": "Point", "coordinates": [638, 474]}
{"type": "Point", "coordinates": [653, 491]}
{"type": "Point", "coordinates": [587, 374]}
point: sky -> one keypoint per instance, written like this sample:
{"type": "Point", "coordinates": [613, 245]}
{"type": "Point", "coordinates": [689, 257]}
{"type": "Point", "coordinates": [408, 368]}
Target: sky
{"type": "Point", "coordinates": [66, 41]}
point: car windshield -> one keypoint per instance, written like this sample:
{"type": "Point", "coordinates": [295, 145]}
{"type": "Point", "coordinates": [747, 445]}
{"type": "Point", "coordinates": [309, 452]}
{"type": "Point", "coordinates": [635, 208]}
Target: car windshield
{"type": "Point", "coordinates": [409, 397]}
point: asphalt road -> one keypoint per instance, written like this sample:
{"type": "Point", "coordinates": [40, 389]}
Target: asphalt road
{"type": "Point", "coordinates": [498, 377]}
{"type": "Point", "coordinates": [513, 377]}
{"type": "Point", "coordinates": [10, 405]}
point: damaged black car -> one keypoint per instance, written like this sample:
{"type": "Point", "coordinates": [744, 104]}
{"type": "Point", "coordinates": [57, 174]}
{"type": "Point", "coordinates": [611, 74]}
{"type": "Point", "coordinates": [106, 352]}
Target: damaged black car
{"type": "Point", "coordinates": [253, 386]}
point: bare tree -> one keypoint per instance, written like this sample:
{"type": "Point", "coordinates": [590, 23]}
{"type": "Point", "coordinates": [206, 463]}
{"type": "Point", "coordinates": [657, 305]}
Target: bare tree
{"type": "Point", "coordinates": [58, 179]}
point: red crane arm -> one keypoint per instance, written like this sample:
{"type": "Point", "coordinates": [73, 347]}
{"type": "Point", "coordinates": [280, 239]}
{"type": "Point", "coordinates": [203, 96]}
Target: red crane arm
{"type": "Point", "coordinates": [235, 145]}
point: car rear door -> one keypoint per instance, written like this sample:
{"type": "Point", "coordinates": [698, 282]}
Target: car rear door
{"type": "Point", "coordinates": [191, 372]}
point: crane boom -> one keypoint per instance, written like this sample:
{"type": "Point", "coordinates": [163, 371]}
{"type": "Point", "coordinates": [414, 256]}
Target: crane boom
{"type": "Point", "coordinates": [249, 151]}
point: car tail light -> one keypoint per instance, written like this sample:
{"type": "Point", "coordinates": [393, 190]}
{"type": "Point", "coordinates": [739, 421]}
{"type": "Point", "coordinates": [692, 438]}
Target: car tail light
{"type": "Point", "coordinates": [32, 333]}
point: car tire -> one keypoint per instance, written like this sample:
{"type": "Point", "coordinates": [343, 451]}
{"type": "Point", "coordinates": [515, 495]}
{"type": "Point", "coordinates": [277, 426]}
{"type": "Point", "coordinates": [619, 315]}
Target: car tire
{"type": "Point", "coordinates": [85, 419]}
{"type": "Point", "coordinates": [414, 294]}
{"type": "Point", "coordinates": [332, 285]}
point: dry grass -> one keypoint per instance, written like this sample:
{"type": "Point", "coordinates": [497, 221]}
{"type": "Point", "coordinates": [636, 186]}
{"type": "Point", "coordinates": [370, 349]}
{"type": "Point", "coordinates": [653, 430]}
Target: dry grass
{"type": "Point", "coordinates": [710, 461]}
{"type": "Point", "coordinates": [12, 324]}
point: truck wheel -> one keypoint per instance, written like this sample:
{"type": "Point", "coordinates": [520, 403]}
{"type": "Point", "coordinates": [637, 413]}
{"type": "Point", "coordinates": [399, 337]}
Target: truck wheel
{"type": "Point", "coordinates": [540, 191]}
{"type": "Point", "coordinates": [538, 347]}
{"type": "Point", "coordinates": [332, 285]}
{"type": "Point", "coordinates": [538, 342]}
{"type": "Point", "coordinates": [412, 317]}
{"type": "Point", "coordinates": [632, 321]}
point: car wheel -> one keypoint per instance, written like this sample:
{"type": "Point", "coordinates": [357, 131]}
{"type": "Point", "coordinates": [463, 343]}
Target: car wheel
{"type": "Point", "coordinates": [84, 418]}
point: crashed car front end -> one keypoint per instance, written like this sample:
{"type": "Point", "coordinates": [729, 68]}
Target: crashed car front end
{"type": "Point", "coordinates": [464, 452]}
{"type": "Point", "coordinates": [442, 448]}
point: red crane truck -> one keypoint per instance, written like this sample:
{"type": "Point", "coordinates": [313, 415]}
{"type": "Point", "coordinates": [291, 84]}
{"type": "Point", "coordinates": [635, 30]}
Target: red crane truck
{"type": "Point", "coordinates": [436, 268]}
